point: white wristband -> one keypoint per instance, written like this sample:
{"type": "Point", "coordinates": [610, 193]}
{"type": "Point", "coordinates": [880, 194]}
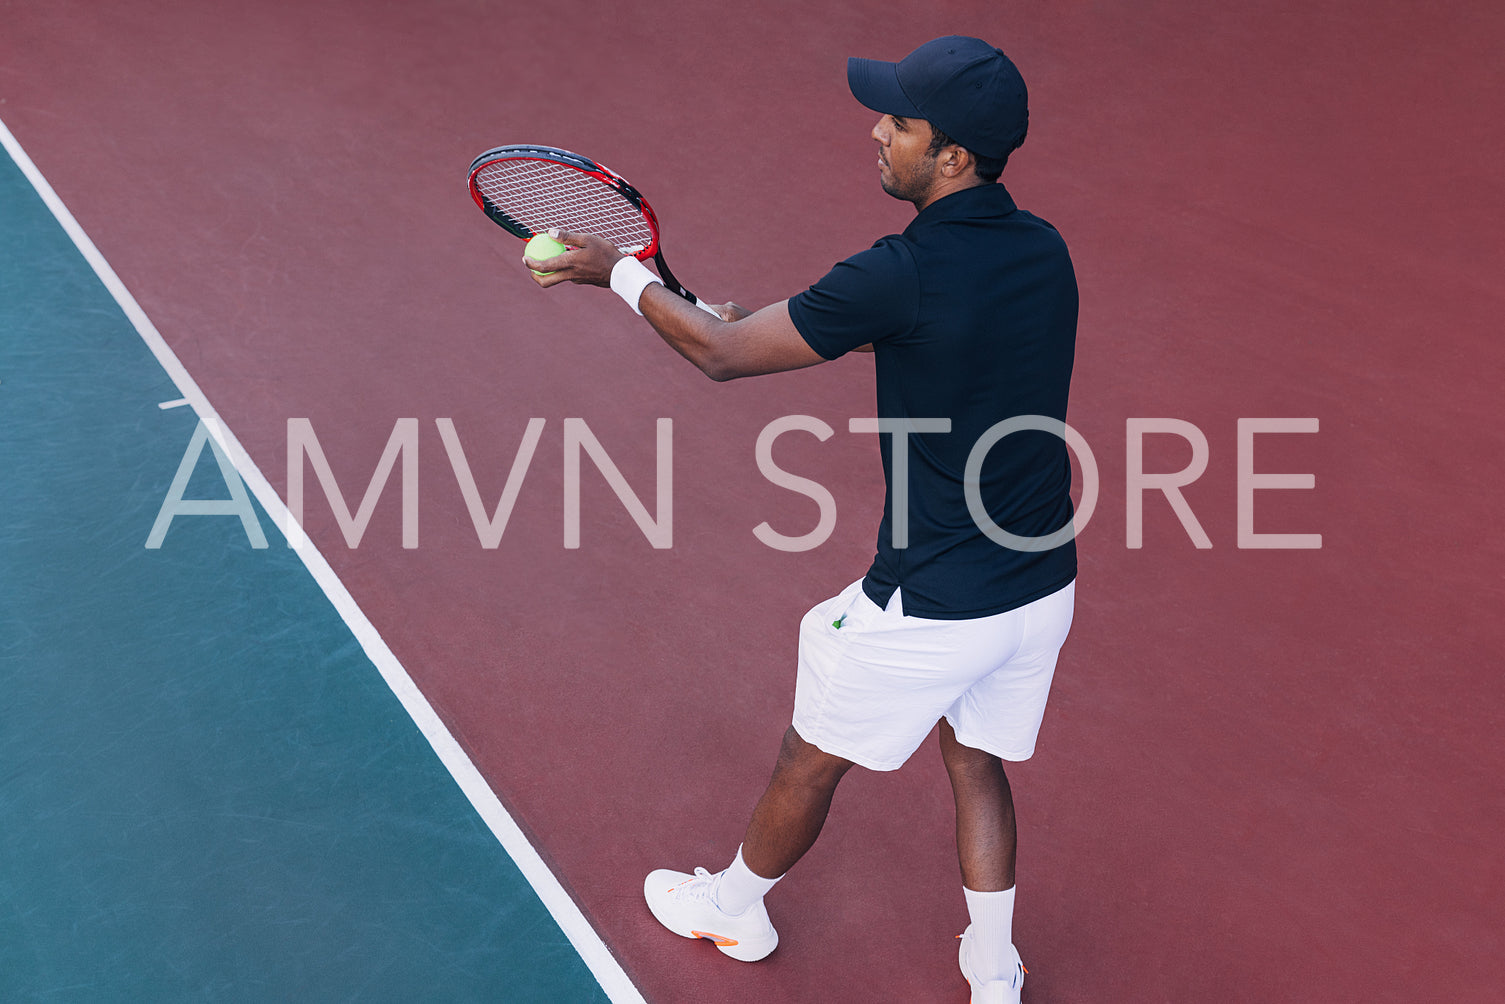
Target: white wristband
{"type": "Point", "coordinates": [629, 277]}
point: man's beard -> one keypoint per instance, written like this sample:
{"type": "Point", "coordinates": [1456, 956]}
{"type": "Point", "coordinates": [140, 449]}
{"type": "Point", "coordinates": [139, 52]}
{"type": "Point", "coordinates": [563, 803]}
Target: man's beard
{"type": "Point", "coordinates": [914, 187]}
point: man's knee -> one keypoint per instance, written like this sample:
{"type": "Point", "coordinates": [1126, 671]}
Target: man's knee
{"type": "Point", "coordinates": [966, 761]}
{"type": "Point", "coordinates": [809, 762]}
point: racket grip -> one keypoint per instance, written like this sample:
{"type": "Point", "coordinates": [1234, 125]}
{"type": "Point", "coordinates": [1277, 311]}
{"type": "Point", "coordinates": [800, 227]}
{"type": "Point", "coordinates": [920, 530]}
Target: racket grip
{"type": "Point", "coordinates": [707, 308]}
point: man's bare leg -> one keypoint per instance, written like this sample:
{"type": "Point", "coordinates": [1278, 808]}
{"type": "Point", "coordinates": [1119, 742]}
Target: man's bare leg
{"type": "Point", "coordinates": [986, 834]}
{"type": "Point", "coordinates": [793, 808]}
{"type": "Point", "coordinates": [986, 844]}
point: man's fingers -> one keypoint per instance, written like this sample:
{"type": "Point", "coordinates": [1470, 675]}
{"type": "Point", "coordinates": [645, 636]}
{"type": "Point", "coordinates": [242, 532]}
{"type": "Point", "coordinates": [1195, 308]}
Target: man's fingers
{"type": "Point", "coordinates": [727, 311]}
{"type": "Point", "coordinates": [588, 260]}
{"type": "Point", "coordinates": [552, 279]}
{"type": "Point", "coordinates": [579, 240]}
{"type": "Point", "coordinates": [730, 311]}
{"type": "Point", "coordinates": [584, 242]}
{"type": "Point", "coordinates": [553, 264]}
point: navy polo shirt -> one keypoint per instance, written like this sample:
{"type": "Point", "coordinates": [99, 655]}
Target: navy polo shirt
{"type": "Point", "coordinates": [972, 314]}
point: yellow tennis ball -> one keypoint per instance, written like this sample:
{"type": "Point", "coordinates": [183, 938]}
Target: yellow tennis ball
{"type": "Point", "coordinates": [542, 246]}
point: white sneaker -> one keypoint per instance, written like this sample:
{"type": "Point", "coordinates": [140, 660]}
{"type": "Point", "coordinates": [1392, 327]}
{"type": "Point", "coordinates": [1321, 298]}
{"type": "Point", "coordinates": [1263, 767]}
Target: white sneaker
{"type": "Point", "coordinates": [686, 905]}
{"type": "Point", "coordinates": [1004, 991]}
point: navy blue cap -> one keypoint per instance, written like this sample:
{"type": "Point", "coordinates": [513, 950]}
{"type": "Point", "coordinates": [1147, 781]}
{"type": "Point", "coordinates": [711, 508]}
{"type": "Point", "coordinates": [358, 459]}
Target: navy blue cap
{"type": "Point", "coordinates": [963, 86]}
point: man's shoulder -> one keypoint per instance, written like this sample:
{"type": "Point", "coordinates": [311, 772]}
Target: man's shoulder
{"type": "Point", "coordinates": [870, 296]}
{"type": "Point", "coordinates": [889, 255]}
{"type": "Point", "coordinates": [889, 268]}
{"type": "Point", "coordinates": [1026, 218]}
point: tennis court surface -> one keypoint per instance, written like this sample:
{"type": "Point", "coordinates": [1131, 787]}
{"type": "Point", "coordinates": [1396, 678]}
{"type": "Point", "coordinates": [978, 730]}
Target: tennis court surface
{"type": "Point", "coordinates": [392, 772]}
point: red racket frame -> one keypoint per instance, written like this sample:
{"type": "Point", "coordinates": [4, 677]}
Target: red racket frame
{"type": "Point", "coordinates": [574, 161]}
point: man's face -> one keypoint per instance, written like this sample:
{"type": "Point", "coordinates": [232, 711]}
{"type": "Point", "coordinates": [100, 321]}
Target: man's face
{"type": "Point", "coordinates": [906, 169]}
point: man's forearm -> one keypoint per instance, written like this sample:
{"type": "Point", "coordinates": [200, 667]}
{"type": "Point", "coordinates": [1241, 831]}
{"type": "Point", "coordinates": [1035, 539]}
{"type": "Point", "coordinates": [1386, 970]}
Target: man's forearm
{"type": "Point", "coordinates": [688, 330]}
{"type": "Point", "coordinates": [764, 341]}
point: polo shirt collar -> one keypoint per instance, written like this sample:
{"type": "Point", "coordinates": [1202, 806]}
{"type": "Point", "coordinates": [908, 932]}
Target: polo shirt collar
{"type": "Point", "coordinates": [969, 203]}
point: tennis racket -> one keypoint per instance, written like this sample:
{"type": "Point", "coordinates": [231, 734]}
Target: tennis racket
{"type": "Point", "coordinates": [528, 190]}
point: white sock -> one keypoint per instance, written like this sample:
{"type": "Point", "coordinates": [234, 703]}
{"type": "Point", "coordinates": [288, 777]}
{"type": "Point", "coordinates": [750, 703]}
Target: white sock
{"type": "Point", "coordinates": [992, 916]}
{"type": "Point", "coordinates": [740, 887]}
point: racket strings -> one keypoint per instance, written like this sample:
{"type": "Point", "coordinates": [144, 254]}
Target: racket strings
{"type": "Point", "coordinates": [541, 194]}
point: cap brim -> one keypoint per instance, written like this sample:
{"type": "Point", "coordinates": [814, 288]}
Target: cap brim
{"type": "Point", "coordinates": [875, 83]}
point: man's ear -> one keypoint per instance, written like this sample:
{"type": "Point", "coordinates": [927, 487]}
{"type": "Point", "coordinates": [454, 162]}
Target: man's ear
{"type": "Point", "coordinates": [955, 161]}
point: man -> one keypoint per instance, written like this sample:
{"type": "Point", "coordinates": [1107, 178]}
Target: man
{"type": "Point", "coordinates": [971, 314]}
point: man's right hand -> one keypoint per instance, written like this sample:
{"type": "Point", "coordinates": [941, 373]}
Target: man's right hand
{"type": "Point", "coordinates": [587, 262]}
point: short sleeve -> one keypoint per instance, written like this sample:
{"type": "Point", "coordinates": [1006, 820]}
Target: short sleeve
{"type": "Point", "coordinates": [870, 297]}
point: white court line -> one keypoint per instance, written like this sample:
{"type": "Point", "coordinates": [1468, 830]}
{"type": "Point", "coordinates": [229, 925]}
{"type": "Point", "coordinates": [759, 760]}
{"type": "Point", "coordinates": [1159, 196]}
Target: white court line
{"type": "Point", "coordinates": [164, 405]}
{"type": "Point", "coordinates": [566, 913]}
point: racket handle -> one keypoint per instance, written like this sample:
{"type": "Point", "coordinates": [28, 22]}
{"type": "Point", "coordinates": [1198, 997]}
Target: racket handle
{"type": "Point", "coordinates": [672, 284]}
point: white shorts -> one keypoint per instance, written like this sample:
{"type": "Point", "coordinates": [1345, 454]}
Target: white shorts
{"type": "Point", "coordinates": [871, 690]}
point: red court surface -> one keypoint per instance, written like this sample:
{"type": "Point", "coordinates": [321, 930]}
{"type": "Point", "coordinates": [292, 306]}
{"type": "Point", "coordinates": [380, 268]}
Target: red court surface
{"type": "Point", "coordinates": [1266, 774]}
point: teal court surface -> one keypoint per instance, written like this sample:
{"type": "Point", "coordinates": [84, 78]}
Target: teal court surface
{"type": "Point", "coordinates": [207, 789]}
